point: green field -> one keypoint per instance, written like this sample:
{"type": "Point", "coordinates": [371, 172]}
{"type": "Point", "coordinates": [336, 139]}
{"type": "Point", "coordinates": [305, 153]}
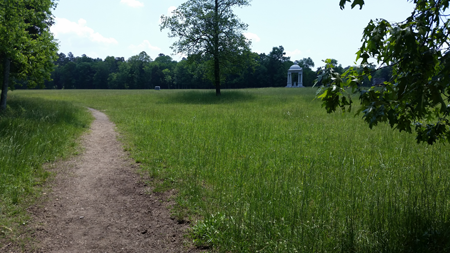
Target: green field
{"type": "Point", "coordinates": [267, 170]}
{"type": "Point", "coordinates": [32, 132]}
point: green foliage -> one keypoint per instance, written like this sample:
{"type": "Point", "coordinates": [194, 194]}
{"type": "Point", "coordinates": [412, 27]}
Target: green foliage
{"type": "Point", "coordinates": [355, 3]}
{"type": "Point", "coordinates": [26, 39]}
{"type": "Point", "coordinates": [210, 231]}
{"type": "Point", "coordinates": [309, 75]}
{"type": "Point", "coordinates": [267, 170]}
{"type": "Point", "coordinates": [210, 29]}
{"type": "Point", "coordinates": [139, 72]}
{"type": "Point", "coordinates": [417, 97]}
{"type": "Point", "coordinates": [277, 65]}
{"type": "Point", "coordinates": [32, 132]}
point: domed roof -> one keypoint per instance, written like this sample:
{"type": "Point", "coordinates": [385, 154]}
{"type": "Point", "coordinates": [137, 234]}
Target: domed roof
{"type": "Point", "coordinates": [295, 67]}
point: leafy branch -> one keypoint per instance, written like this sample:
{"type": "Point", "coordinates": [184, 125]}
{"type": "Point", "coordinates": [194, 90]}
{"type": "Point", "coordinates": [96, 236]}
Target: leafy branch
{"type": "Point", "coordinates": [417, 96]}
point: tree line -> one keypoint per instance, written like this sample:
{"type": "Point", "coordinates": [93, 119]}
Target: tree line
{"type": "Point", "coordinates": [143, 72]}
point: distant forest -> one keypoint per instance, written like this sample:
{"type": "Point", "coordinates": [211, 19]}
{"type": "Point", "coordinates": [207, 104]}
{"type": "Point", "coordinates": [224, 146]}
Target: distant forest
{"type": "Point", "coordinates": [143, 72]}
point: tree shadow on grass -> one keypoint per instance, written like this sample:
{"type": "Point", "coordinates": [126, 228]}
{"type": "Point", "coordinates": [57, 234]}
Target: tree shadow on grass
{"type": "Point", "coordinates": [410, 233]}
{"type": "Point", "coordinates": [209, 97]}
{"type": "Point", "coordinates": [41, 110]}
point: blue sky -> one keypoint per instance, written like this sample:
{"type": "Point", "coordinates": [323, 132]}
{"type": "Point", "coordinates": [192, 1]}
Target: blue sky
{"type": "Point", "coordinates": [305, 28]}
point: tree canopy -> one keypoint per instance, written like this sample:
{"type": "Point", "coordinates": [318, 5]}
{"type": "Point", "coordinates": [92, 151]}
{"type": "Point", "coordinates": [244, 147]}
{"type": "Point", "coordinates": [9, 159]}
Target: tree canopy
{"type": "Point", "coordinates": [27, 48]}
{"type": "Point", "coordinates": [417, 95]}
{"type": "Point", "coordinates": [143, 72]}
{"type": "Point", "coordinates": [209, 29]}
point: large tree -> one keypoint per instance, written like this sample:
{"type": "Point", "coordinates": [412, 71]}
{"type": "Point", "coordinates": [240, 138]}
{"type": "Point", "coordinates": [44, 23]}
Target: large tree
{"type": "Point", "coordinates": [418, 94]}
{"type": "Point", "coordinates": [278, 65]}
{"type": "Point", "coordinates": [208, 29]}
{"type": "Point", "coordinates": [27, 48]}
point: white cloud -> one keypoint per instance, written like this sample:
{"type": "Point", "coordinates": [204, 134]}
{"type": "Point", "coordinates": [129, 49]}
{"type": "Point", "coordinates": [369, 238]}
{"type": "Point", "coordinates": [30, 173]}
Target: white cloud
{"type": "Point", "coordinates": [133, 3]}
{"type": "Point", "coordinates": [168, 14]}
{"type": "Point", "coordinates": [145, 45]}
{"type": "Point", "coordinates": [252, 37]}
{"type": "Point", "coordinates": [181, 56]}
{"type": "Point", "coordinates": [294, 53]}
{"type": "Point", "coordinates": [170, 10]}
{"type": "Point", "coordinates": [64, 26]}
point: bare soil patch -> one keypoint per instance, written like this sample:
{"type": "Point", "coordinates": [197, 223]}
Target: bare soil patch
{"type": "Point", "coordinates": [98, 203]}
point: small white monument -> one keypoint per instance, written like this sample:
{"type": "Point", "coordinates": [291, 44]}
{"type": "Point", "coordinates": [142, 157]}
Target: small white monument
{"type": "Point", "coordinates": [295, 69]}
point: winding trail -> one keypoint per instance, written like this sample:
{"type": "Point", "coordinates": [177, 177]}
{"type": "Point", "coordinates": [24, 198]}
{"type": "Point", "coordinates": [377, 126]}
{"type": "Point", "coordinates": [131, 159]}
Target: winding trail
{"type": "Point", "coordinates": [98, 203]}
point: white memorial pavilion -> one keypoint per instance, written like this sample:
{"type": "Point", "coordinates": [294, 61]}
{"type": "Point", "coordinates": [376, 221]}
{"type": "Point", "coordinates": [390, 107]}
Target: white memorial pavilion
{"type": "Point", "coordinates": [295, 69]}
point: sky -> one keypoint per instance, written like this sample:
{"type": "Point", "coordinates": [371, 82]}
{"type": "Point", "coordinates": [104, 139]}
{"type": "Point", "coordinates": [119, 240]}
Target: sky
{"type": "Point", "coordinates": [305, 28]}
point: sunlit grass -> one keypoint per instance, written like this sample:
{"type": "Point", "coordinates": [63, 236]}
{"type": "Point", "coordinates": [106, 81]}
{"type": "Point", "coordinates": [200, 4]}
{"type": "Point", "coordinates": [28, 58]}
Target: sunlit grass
{"type": "Point", "coordinates": [267, 170]}
{"type": "Point", "coordinates": [32, 132]}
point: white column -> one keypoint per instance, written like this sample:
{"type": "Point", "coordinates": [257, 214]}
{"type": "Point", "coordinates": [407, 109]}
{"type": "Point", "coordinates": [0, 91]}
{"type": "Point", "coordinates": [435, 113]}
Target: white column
{"type": "Point", "coordinates": [289, 82]}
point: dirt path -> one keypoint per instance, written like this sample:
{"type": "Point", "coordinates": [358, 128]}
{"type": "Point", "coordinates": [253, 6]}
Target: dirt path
{"type": "Point", "coordinates": [98, 204]}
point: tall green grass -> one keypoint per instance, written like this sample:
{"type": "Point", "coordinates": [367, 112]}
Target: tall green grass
{"type": "Point", "coordinates": [267, 170]}
{"type": "Point", "coordinates": [33, 131]}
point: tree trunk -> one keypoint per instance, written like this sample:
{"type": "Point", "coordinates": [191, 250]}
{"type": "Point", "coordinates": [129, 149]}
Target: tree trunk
{"type": "Point", "coordinates": [6, 69]}
{"type": "Point", "coordinates": [216, 48]}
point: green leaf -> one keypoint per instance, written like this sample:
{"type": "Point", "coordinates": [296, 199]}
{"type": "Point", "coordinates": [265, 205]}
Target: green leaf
{"type": "Point", "coordinates": [358, 2]}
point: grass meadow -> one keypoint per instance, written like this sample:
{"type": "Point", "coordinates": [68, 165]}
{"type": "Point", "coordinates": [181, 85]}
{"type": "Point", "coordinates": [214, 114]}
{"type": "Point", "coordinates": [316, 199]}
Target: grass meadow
{"type": "Point", "coordinates": [32, 132]}
{"type": "Point", "coordinates": [268, 170]}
